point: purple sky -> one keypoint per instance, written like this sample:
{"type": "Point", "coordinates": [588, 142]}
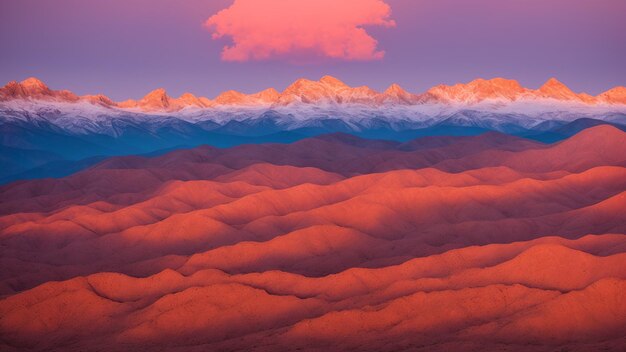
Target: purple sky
{"type": "Point", "coordinates": [124, 48]}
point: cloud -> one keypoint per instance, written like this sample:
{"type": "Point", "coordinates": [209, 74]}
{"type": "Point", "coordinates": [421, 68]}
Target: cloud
{"type": "Point", "coordinates": [288, 29]}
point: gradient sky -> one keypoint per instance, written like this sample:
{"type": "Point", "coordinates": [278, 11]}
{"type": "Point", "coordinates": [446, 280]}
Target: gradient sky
{"type": "Point", "coordinates": [125, 48]}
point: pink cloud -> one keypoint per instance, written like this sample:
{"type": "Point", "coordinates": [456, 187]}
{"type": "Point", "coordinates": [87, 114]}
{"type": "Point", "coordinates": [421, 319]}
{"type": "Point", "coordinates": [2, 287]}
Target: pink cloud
{"type": "Point", "coordinates": [287, 29]}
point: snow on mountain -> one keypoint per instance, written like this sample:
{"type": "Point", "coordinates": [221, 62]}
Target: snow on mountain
{"type": "Point", "coordinates": [495, 104]}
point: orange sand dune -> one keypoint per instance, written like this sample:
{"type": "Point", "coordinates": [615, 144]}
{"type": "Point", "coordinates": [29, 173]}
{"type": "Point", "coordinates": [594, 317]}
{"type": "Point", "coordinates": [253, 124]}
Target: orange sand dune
{"type": "Point", "coordinates": [401, 214]}
{"type": "Point", "coordinates": [334, 243]}
{"type": "Point", "coordinates": [488, 294]}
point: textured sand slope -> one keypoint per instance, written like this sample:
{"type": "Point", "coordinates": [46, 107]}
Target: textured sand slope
{"type": "Point", "coordinates": [332, 243]}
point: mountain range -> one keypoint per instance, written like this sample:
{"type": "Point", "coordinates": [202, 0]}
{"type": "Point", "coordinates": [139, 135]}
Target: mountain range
{"type": "Point", "coordinates": [46, 132]}
{"type": "Point", "coordinates": [480, 216]}
{"type": "Point", "coordinates": [328, 90]}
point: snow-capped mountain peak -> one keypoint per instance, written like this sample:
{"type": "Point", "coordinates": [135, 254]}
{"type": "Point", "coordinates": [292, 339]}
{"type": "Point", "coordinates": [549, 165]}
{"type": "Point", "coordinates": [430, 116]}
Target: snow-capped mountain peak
{"type": "Point", "coordinates": [305, 94]}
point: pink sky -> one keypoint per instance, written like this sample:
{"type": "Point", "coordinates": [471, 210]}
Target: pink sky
{"type": "Point", "coordinates": [125, 48]}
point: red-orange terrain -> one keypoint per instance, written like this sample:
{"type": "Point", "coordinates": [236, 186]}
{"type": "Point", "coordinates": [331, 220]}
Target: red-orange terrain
{"type": "Point", "coordinates": [332, 243]}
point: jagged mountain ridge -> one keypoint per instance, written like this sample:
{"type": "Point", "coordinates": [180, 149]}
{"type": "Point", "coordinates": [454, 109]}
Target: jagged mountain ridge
{"type": "Point", "coordinates": [327, 90]}
{"type": "Point", "coordinates": [496, 104]}
{"type": "Point", "coordinates": [35, 119]}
